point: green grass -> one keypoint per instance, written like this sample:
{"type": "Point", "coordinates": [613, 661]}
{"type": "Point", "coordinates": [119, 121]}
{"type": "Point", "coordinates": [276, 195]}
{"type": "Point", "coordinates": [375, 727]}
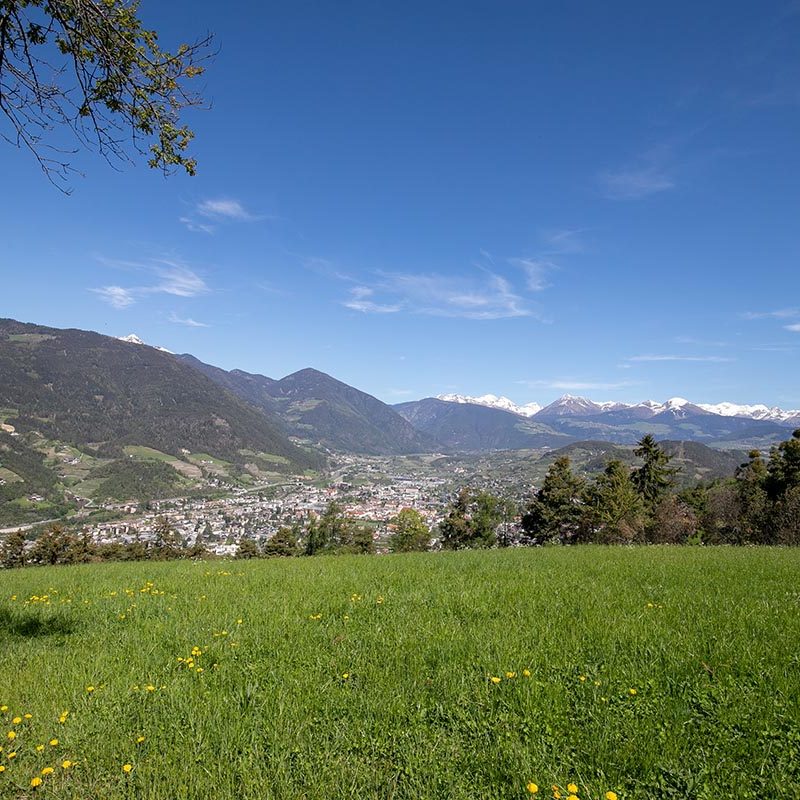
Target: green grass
{"type": "Point", "coordinates": [708, 638]}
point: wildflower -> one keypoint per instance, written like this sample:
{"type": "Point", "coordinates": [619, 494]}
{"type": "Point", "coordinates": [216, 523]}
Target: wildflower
{"type": "Point", "coordinates": [511, 675]}
{"type": "Point", "coordinates": [63, 717]}
{"type": "Point", "coordinates": [54, 743]}
{"type": "Point", "coordinates": [12, 755]}
{"type": "Point", "coordinates": [4, 709]}
{"type": "Point", "coordinates": [611, 796]}
{"type": "Point", "coordinates": [345, 676]}
{"type": "Point", "coordinates": [238, 622]}
{"type": "Point", "coordinates": [150, 687]}
{"type": "Point", "coordinates": [28, 716]}
{"type": "Point", "coordinates": [90, 689]}
{"type": "Point", "coordinates": [632, 692]}
{"type": "Point", "coordinates": [39, 748]}
{"type": "Point", "coordinates": [572, 788]}
{"type": "Point", "coordinates": [11, 735]}
{"type": "Point", "coordinates": [35, 782]}
{"type": "Point", "coordinates": [139, 739]}
{"type": "Point", "coordinates": [2, 768]}
{"type": "Point", "coordinates": [66, 764]}
{"type": "Point", "coordinates": [16, 720]}
{"type": "Point", "coordinates": [573, 797]}
{"type": "Point", "coordinates": [526, 673]}
{"type": "Point", "coordinates": [532, 788]}
{"type": "Point", "coordinates": [127, 768]}
{"type": "Point", "coordinates": [495, 679]}
{"type": "Point", "coordinates": [48, 771]}
{"type": "Point", "coordinates": [582, 679]}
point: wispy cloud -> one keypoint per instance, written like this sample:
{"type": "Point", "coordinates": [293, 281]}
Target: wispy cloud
{"type": "Point", "coordinates": [780, 313]}
{"type": "Point", "coordinates": [218, 210]}
{"type": "Point", "coordinates": [658, 358]}
{"type": "Point", "coordinates": [564, 241]}
{"type": "Point", "coordinates": [634, 182]}
{"type": "Point", "coordinates": [795, 327]}
{"type": "Point", "coordinates": [188, 321]}
{"type": "Point", "coordinates": [535, 271]}
{"type": "Point", "coordinates": [115, 296]}
{"type": "Point", "coordinates": [359, 301]}
{"type": "Point", "coordinates": [225, 208]}
{"type": "Point", "coordinates": [165, 277]}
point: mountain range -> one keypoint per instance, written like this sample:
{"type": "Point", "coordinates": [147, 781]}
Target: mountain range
{"type": "Point", "coordinates": [84, 415]}
{"type": "Point", "coordinates": [580, 406]}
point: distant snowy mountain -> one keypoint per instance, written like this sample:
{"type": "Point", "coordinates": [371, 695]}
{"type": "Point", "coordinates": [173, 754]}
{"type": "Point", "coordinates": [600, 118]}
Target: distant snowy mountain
{"type": "Point", "coordinates": [132, 338]}
{"type": "Point", "coordinates": [675, 408]}
{"type": "Point", "coordinates": [493, 401]}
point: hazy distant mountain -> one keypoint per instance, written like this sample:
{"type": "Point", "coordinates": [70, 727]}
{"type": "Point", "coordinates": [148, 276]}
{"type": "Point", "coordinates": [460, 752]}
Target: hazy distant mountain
{"type": "Point", "coordinates": [469, 427]}
{"type": "Point", "coordinates": [86, 389]}
{"type": "Point", "coordinates": [571, 406]}
{"type": "Point", "coordinates": [493, 401]}
{"type": "Point", "coordinates": [320, 409]}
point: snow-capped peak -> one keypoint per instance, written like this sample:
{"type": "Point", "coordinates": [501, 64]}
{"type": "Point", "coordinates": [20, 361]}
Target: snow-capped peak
{"type": "Point", "coordinates": [132, 338]}
{"type": "Point", "coordinates": [756, 411]}
{"type": "Point", "coordinates": [493, 401]}
{"type": "Point", "coordinates": [676, 402]}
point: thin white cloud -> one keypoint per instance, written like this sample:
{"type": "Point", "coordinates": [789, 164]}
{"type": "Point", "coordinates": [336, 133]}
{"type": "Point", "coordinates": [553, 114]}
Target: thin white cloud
{"type": "Point", "coordinates": [659, 358]}
{"type": "Point", "coordinates": [564, 241]}
{"type": "Point", "coordinates": [780, 313]}
{"type": "Point", "coordinates": [359, 301]}
{"type": "Point", "coordinates": [115, 296]}
{"type": "Point", "coordinates": [195, 226]}
{"type": "Point", "coordinates": [467, 297]}
{"type": "Point", "coordinates": [188, 321]}
{"type": "Point", "coordinates": [535, 271]}
{"type": "Point", "coordinates": [795, 328]}
{"type": "Point", "coordinates": [167, 277]}
{"type": "Point", "coordinates": [218, 210]}
{"type": "Point", "coordinates": [635, 182]}
{"type": "Point", "coordinates": [225, 208]}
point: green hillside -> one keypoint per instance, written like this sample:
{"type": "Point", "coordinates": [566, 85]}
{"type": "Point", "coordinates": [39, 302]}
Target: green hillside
{"type": "Point", "coordinates": [649, 672]}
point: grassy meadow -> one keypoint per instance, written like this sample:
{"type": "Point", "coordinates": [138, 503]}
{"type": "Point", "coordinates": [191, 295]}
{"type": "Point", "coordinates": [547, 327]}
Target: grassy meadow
{"type": "Point", "coordinates": [646, 672]}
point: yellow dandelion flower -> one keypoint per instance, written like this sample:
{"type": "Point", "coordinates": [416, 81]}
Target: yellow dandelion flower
{"type": "Point", "coordinates": [48, 771]}
{"type": "Point", "coordinates": [12, 755]}
{"type": "Point", "coordinates": [572, 788]}
{"type": "Point", "coordinates": [611, 796]}
{"type": "Point", "coordinates": [66, 764]}
{"type": "Point", "coordinates": [526, 673]}
{"type": "Point", "coordinates": [4, 709]}
{"type": "Point", "coordinates": [11, 735]}
{"type": "Point", "coordinates": [582, 678]}
{"type": "Point", "coordinates": [54, 743]}
{"type": "Point", "coordinates": [139, 739]}
{"type": "Point", "coordinates": [345, 676]}
{"type": "Point", "coordinates": [39, 748]}
{"type": "Point", "coordinates": [532, 787]}
{"type": "Point", "coordinates": [573, 797]}
{"type": "Point", "coordinates": [238, 622]}
{"type": "Point", "coordinates": [2, 768]}
{"type": "Point", "coordinates": [35, 782]}
{"type": "Point", "coordinates": [16, 720]}
{"type": "Point", "coordinates": [495, 679]}
{"type": "Point", "coordinates": [632, 692]}
{"type": "Point", "coordinates": [90, 689]}
{"type": "Point", "coordinates": [127, 768]}
{"type": "Point", "coordinates": [28, 716]}
{"type": "Point", "coordinates": [511, 675]}
{"type": "Point", "coordinates": [150, 687]}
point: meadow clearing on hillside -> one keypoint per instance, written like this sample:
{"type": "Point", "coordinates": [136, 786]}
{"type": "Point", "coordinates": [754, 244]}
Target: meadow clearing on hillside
{"type": "Point", "coordinates": [648, 672]}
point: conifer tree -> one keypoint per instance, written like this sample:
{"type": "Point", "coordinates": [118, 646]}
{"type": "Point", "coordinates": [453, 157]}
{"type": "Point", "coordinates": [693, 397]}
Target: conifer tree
{"type": "Point", "coordinates": [556, 512]}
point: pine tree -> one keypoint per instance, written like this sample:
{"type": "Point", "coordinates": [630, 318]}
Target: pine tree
{"type": "Point", "coordinates": [654, 478]}
{"type": "Point", "coordinates": [614, 508]}
{"type": "Point", "coordinates": [556, 512]}
{"type": "Point", "coordinates": [282, 544]}
{"type": "Point", "coordinates": [13, 554]}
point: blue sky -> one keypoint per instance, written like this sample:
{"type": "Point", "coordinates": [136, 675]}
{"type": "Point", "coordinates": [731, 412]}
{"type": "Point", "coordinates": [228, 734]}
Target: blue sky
{"type": "Point", "coordinates": [523, 198]}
